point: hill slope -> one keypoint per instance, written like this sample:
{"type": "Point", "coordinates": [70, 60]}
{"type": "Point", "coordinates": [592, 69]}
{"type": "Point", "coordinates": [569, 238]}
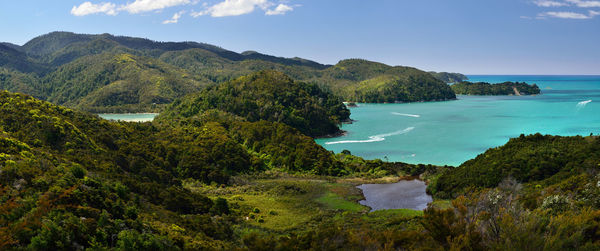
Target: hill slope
{"type": "Point", "coordinates": [56, 57]}
{"type": "Point", "coordinates": [535, 158]}
{"type": "Point", "coordinates": [506, 88]}
{"type": "Point", "coordinates": [271, 96]}
{"type": "Point", "coordinates": [371, 82]}
{"type": "Point", "coordinates": [118, 83]}
{"type": "Point", "coordinates": [11, 58]}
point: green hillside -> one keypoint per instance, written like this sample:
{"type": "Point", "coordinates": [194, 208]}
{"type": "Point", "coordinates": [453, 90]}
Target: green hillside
{"type": "Point", "coordinates": [271, 96]}
{"type": "Point", "coordinates": [529, 159]}
{"type": "Point", "coordinates": [13, 59]}
{"type": "Point", "coordinates": [118, 83]}
{"type": "Point", "coordinates": [17, 81]}
{"type": "Point", "coordinates": [371, 82]}
{"type": "Point", "coordinates": [506, 88]}
{"type": "Point", "coordinates": [449, 77]}
{"type": "Point", "coordinates": [214, 181]}
{"type": "Point", "coordinates": [67, 68]}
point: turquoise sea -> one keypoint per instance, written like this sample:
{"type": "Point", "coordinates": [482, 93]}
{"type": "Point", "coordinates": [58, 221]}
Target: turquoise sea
{"type": "Point", "coordinates": [451, 132]}
{"type": "Point", "coordinates": [129, 117]}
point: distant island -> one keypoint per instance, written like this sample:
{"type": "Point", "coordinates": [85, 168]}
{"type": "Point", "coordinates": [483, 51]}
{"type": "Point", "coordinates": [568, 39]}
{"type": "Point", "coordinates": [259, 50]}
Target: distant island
{"type": "Point", "coordinates": [506, 88]}
{"type": "Point", "coordinates": [449, 77]}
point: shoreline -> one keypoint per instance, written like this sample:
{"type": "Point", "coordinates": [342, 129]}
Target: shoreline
{"type": "Point", "coordinates": [333, 135]}
{"type": "Point", "coordinates": [138, 113]}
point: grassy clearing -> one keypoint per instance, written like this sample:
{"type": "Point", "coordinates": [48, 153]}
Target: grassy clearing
{"type": "Point", "coordinates": [277, 213]}
{"type": "Point", "coordinates": [333, 201]}
{"type": "Point", "coordinates": [402, 213]}
{"type": "Point", "coordinates": [285, 203]}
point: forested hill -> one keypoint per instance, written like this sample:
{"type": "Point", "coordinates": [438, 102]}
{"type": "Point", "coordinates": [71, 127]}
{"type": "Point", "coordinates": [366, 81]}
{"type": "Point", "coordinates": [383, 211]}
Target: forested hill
{"type": "Point", "coordinates": [56, 47]}
{"type": "Point", "coordinates": [506, 88]}
{"type": "Point", "coordinates": [60, 57]}
{"type": "Point", "coordinates": [13, 59]}
{"type": "Point", "coordinates": [449, 77]}
{"type": "Point", "coordinates": [371, 82]}
{"type": "Point", "coordinates": [536, 159]}
{"type": "Point", "coordinates": [71, 180]}
{"type": "Point", "coordinates": [271, 96]}
{"type": "Point", "coordinates": [118, 82]}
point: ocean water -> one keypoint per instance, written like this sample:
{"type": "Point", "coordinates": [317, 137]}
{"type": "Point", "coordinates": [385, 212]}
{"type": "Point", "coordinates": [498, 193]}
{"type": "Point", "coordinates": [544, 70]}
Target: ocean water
{"type": "Point", "coordinates": [451, 132]}
{"type": "Point", "coordinates": [129, 117]}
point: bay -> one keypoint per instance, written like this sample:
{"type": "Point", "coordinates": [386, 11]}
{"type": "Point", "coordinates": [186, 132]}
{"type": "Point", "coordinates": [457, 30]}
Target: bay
{"type": "Point", "coordinates": [129, 117]}
{"type": "Point", "coordinates": [451, 132]}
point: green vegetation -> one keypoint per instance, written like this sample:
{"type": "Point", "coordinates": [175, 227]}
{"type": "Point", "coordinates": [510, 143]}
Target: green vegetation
{"type": "Point", "coordinates": [80, 71]}
{"type": "Point", "coordinates": [370, 82]}
{"type": "Point", "coordinates": [217, 181]}
{"type": "Point", "coordinates": [70, 180]}
{"type": "Point", "coordinates": [535, 159]}
{"type": "Point", "coordinates": [14, 59]}
{"type": "Point", "coordinates": [506, 88]}
{"type": "Point", "coordinates": [118, 83]}
{"type": "Point", "coordinates": [231, 167]}
{"type": "Point", "coordinates": [270, 96]}
{"type": "Point", "coordinates": [449, 77]}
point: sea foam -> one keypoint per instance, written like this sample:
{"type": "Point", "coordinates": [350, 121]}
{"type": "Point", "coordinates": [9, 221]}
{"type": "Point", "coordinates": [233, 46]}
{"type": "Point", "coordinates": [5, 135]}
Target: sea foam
{"type": "Point", "coordinates": [583, 103]}
{"type": "Point", "coordinates": [375, 138]}
{"type": "Point", "coordinates": [406, 114]}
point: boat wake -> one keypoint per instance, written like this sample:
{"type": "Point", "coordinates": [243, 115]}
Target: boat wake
{"type": "Point", "coordinates": [582, 104]}
{"type": "Point", "coordinates": [375, 138]}
{"type": "Point", "coordinates": [406, 114]}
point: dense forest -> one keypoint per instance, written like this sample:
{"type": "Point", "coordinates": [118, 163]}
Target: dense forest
{"type": "Point", "coordinates": [370, 82]}
{"type": "Point", "coordinates": [106, 73]}
{"type": "Point", "coordinates": [506, 88]}
{"type": "Point", "coordinates": [271, 96]}
{"type": "Point", "coordinates": [216, 181]}
{"type": "Point", "coordinates": [449, 77]}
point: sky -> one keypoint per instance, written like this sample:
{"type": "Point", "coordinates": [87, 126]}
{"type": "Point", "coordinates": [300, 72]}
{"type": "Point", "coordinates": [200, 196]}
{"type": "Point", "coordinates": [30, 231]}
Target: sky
{"type": "Point", "coordinates": [558, 37]}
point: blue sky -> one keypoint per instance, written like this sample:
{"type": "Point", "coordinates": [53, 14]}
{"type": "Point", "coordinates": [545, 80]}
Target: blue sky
{"type": "Point", "coordinates": [467, 36]}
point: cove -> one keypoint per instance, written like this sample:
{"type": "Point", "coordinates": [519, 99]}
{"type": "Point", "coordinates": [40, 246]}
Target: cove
{"type": "Point", "coordinates": [409, 194]}
{"type": "Point", "coordinates": [451, 132]}
{"type": "Point", "coordinates": [129, 117]}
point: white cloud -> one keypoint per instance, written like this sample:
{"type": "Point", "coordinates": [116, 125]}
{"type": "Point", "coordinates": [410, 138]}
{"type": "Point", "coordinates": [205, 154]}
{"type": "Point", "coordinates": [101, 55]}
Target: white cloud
{"type": "Point", "coordinates": [139, 6]}
{"type": "Point", "coordinates": [221, 9]}
{"type": "Point", "coordinates": [281, 9]}
{"type": "Point", "coordinates": [233, 8]}
{"type": "Point", "coordinates": [568, 14]}
{"type": "Point", "coordinates": [242, 7]}
{"type": "Point", "coordinates": [546, 3]}
{"type": "Point", "coordinates": [88, 8]}
{"type": "Point", "coordinates": [585, 4]}
{"type": "Point", "coordinates": [175, 18]}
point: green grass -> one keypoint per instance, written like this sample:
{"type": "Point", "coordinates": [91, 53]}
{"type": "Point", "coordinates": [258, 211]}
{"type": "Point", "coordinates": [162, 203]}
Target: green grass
{"type": "Point", "coordinates": [279, 212]}
{"type": "Point", "coordinates": [285, 203]}
{"type": "Point", "coordinates": [406, 213]}
{"type": "Point", "coordinates": [332, 200]}
{"type": "Point", "coordinates": [294, 203]}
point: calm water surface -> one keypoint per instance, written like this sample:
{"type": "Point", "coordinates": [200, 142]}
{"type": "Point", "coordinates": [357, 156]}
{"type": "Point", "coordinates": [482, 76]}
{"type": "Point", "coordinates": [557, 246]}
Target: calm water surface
{"type": "Point", "coordinates": [451, 132]}
{"type": "Point", "coordinates": [408, 194]}
{"type": "Point", "coordinates": [129, 117]}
